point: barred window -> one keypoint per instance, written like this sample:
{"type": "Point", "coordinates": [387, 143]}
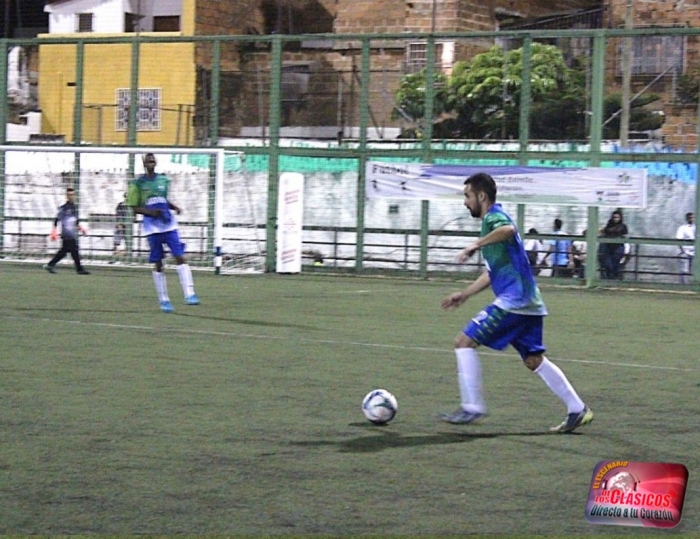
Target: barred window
{"type": "Point", "coordinates": [654, 55]}
{"type": "Point", "coordinates": [295, 82]}
{"type": "Point", "coordinates": [148, 114]}
{"type": "Point", "coordinates": [417, 56]}
{"type": "Point", "coordinates": [84, 22]}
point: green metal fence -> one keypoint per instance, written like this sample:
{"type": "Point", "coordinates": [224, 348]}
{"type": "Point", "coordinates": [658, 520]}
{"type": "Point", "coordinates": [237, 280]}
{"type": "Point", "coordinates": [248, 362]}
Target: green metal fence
{"type": "Point", "coordinates": [253, 92]}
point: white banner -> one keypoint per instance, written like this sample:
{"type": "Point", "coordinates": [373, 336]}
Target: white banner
{"type": "Point", "coordinates": [290, 211]}
{"type": "Point", "coordinates": [617, 187]}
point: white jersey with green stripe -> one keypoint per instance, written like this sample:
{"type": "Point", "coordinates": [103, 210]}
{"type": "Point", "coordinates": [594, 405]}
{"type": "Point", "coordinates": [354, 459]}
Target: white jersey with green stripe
{"type": "Point", "coordinates": [509, 269]}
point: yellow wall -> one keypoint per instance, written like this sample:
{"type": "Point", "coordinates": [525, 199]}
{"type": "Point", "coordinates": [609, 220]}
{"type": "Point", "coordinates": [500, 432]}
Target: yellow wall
{"type": "Point", "coordinates": [107, 67]}
{"type": "Point", "coordinates": [187, 20]}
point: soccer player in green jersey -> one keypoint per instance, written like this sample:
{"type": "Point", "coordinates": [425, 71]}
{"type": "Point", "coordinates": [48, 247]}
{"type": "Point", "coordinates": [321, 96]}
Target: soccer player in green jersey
{"type": "Point", "coordinates": [515, 317]}
{"type": "Point", "coordinates": [148, 196]}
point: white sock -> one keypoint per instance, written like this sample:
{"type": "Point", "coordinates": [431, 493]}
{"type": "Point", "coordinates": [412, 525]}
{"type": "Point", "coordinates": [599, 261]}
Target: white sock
{"type": "Point", "coordinates": [556, 381]}
{"type": "Point", "coordinates": [161, 285]}
{"type": "Point", "coordinates": [185, 273]}
{"type": "Point", "coordinates": [469, 378]}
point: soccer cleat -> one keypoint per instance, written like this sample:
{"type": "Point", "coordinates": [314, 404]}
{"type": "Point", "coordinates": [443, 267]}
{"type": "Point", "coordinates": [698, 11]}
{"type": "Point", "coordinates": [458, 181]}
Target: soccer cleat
{"type": "Point", "coordinates": [49, 268]}
{"type": "Point", "coordinates": [192, 300]}
{"type": "Point", "coordinates": [461, 417]}
{"type": "Point", "coordinates": [574, 421]}
{"type": "Point", "coordinates": [83, 271]}
{"type": "Point", "coordinates": [166, 307]}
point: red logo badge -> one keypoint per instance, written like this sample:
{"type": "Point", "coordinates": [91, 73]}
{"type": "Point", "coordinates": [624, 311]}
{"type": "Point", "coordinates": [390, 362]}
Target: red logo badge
{"type": "Point", "coordinates": [626, 493]}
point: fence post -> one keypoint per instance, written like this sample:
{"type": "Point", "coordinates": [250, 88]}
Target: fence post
{"type": "Point", "coordinates": [427, 134]}
{"type": "Point", "coordinates": [362, 174]}
{"type": "Point", "coordinates": [3, 137]}
{"type": "Point", "coordinates": [274, 155]}
{"type": "Point", "coordinates": [596, 136]}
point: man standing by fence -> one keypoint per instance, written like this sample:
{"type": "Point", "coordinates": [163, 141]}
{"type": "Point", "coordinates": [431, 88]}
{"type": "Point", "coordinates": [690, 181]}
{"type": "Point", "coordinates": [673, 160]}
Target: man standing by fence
{"type": "Point", "coordinates": [687, 252]}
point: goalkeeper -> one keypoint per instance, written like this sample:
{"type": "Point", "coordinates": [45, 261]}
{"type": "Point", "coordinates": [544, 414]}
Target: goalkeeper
{"type": "Point", "coordinates": [70, 228]}
{"type": "Point", "coordinates": [148, 196]}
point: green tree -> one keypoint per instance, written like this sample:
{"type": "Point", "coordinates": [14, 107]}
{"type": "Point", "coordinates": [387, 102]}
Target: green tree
{"type": "Point", "coordinates": [562, 115]}
{"type": "Point", "coordinates": [482, 98]}
{"type": "Point", "coordinates": [688, 87]}
{"type": "Point", "coordinates": [410, 98]}
{"type": "Point", "coordinates": [486, 91]}
{"type": "Point", "coordinates": [641, 118]}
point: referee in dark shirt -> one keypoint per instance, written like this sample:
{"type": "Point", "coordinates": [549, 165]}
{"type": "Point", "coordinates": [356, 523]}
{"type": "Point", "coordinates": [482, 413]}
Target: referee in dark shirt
{"type": "Point", "coordinates": [70, 228]}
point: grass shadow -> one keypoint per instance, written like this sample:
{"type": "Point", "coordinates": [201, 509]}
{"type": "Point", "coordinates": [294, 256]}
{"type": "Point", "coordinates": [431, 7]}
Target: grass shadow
{"type": "Point", "coordinates": [242, 321]}
{"type": "Point", "coordinates": [393, 440]}
{"type": "Point", "coordinates": [28, 311]}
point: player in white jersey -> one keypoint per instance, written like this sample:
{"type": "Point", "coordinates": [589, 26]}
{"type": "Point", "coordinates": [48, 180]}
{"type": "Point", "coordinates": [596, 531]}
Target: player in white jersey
{"type": "Point", "coordinates": [148, 196]}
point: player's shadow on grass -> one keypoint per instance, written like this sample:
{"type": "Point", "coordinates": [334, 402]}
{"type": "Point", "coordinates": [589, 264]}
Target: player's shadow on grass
{"type": "Point", "coordinates": [242, 321]}
{"type": "Point", "coordinates": [246, 322]}
{"type": "Point", "coordinates": [391, 440]}
{"type": "Point", "coordinates": [73, 309]}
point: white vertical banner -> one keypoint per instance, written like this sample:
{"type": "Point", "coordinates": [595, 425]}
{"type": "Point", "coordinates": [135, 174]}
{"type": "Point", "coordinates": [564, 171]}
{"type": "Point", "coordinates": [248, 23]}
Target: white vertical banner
{"type": "Point", "coordinates": [290, 213]}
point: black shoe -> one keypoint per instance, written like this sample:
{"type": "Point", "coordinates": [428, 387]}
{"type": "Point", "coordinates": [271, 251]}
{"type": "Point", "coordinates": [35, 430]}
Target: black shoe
{"type": "Point", "coordinates": [49, 268]}
{"type": "Point", "coordinates": [83, 272]}
{"type": "Point", "coordinates": [574, 421]}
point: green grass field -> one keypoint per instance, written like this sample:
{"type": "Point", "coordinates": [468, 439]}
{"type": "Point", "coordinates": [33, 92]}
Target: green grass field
{"type": "Point", "coordinates": [242, 415]}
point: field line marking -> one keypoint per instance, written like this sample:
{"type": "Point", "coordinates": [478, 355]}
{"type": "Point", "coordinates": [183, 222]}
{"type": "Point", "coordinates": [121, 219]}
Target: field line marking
{"type": "Point", "coordinates": [482, 352]}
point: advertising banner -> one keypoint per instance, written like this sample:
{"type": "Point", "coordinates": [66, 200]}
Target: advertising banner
{"type": "Point", "coordinates": [616, 187]}
{"type": "Point", "coordinates": [290, 211]}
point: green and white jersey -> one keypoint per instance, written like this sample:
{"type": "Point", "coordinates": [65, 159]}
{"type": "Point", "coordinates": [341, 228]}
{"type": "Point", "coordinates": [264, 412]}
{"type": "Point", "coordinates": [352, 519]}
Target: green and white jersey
{"type": "Point", "coordinates": [152, 193]}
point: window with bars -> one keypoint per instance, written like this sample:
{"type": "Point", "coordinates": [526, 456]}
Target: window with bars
{"type": "Point", "coordinates": [417, 56]}
{"type": "Point", "coordinates": [654, 55]}
{"type": "Point", "coordinates": [149, 109]}
{"type": "Point", "coordinates": [295, 82]}
{"type": "Point", "coordinates": [84, 22]}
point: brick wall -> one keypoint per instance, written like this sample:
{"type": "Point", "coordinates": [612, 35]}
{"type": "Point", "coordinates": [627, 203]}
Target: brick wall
{"type": "Point", "coordinates": [223, 17]}
{"type": "Point", "coordinates": [331, 84]}
{"type": "Point", "coordinates": [217, 17]}
{"type": "Point", "coordinates": [657, 12]}
{"type": "Point", "coordinates": [680, 127]}
{"type": "Point", "coordinates": [395, 16]}
{"type": "Point", "coordinates": [370, 16]}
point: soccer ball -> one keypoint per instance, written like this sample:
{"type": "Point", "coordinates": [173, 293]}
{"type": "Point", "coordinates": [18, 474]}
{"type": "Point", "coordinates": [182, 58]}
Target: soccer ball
{"type": "Point", "coordinates": [379, 406]}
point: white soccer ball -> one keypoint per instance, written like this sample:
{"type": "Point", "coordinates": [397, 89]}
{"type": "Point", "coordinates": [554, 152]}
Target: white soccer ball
{"type": "Point", "coordinates": [379, 406]}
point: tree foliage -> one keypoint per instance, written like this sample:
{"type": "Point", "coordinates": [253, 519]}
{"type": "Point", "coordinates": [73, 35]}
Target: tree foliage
{"type": "Point", "coordinates": [689, 87]}
{"type": "Point", "coordinates": [641, 118]}
{"type": "Point", "coordinates": [410, 96]}
{"type": "Point", "coordinates": [482, 98]}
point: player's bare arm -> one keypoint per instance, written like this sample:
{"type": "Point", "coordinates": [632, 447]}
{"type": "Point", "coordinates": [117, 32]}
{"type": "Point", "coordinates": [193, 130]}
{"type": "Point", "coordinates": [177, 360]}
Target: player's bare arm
{"type": "Point", "coordinates": [458, 298]}
{"type": "Point", "coordinates": [175, 208]}
{"type": "Point", "coordinates": [502, 233]}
